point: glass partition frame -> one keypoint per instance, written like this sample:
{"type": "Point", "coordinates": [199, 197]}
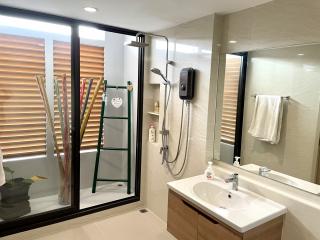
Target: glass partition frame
{"type": "Point", "coordinates": [54, 216]}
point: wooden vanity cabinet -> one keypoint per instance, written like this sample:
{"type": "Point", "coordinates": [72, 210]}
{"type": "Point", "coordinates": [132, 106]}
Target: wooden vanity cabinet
{"type": "Point", "coordinates": [187, 222]}
{"type": "Point", "coordinates": [182, 218]}
{"type": "Point", "coordinates": [211, 229]}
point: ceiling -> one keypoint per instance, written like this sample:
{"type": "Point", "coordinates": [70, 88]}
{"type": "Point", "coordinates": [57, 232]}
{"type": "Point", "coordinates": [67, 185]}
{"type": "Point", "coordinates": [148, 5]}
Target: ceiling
{"type": "Point", "coordinates": [143, 15]}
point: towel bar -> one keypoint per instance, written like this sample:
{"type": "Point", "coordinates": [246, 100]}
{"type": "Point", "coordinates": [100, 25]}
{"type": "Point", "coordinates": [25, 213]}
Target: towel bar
{"type": "Point", "coordinates": [283, 97]}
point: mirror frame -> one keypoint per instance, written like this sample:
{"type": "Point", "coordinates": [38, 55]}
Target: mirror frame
{"type": "Point", "coordinates": [240, 103]}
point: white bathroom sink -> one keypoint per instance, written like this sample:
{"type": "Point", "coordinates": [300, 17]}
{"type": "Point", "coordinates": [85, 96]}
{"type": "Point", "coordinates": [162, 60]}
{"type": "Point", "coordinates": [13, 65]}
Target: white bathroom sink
{"type": "Point", "coordinates": [223, 198]}
{"type": "Point", "coordinates": [242, 210]}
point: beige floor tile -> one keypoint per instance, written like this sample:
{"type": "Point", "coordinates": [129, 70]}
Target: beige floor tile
{"type": "Point", "coordinates": [132, 225]}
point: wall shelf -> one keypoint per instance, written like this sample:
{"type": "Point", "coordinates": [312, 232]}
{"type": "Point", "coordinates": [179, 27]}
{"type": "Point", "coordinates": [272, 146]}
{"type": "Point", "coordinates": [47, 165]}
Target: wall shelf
{"type": "Point", "coordinates": [154, 114]}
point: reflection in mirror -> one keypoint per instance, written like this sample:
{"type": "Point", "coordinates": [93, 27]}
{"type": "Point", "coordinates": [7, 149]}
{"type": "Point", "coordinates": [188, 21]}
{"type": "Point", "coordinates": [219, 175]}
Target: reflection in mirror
{"type": "Point", "coordinates": [231, 85]}
{"type": "Point", "coordinates": [270, 114]}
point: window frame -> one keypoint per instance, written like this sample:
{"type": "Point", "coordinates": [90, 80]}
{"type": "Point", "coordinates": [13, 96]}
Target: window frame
{"type": "Point", "coordinates": [55, 216]}
{"type": "Point", "coordinates": [240, 105]}
{"type": "Point", "coordinates": [10, 33]}
{"type": "Point", "coordinates": [49, 40]}
{"type": "Point", "coordinates": [97, 105]}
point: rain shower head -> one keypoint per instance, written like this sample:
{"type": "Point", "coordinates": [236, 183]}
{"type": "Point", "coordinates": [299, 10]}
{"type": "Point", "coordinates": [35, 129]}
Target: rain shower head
{"type": "Point", "coordinates": [138, 44]}
{"type": "Point", "coordinates": [158, 72]}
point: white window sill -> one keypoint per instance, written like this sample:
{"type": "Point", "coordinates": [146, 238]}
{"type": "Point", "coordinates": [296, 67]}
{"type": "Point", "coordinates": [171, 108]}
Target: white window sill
{"type": "Point", "coordinates": [24, 158]}
{"type": "Point", "coordinates": [43, 156]}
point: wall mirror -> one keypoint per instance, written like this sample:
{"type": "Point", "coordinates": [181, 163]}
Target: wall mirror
{"type": "Point", "coordinates": [269, 114]}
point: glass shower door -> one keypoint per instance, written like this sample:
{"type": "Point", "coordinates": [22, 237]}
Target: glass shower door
{"type": "Point", "coordinates": [109, 80]}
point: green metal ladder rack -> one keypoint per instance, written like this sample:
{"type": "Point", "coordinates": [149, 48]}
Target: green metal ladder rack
{"type": "Point", "coordinates": [99, 147]}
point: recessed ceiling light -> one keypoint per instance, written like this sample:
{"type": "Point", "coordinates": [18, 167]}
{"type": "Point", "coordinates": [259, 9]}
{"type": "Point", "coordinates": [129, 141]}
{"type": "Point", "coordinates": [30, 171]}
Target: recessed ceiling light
{"type": "Point", "coordinates": [300, 54]}
{"type": "Point", "coordinates": [90, 9]}
{"type": "Point", "coordinates": [232, 41]}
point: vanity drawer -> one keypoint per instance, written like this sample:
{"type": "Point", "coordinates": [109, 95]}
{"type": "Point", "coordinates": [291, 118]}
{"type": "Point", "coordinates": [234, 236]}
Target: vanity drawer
{"type": "Point", "coordinates": [209, 229]}
{"type": "Point", "coordinates": [182, 218]}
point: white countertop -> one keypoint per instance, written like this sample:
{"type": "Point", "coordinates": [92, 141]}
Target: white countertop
{"type": "Point", "coordinates": [286, 179]}
{"type": "Point", "coordinates": [257, 211]}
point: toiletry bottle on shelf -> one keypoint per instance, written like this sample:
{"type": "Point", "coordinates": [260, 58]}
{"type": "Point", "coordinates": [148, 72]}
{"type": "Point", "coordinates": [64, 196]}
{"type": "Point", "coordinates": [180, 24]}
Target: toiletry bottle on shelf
{"type": "Point", "coordinates": [152, 134]}
{"type": "Point", "coordinates": [237, 161]}
{"type": "Point", "coordinates": [209, 174]}
{"type": "Point", "coordinates": [156, 107]}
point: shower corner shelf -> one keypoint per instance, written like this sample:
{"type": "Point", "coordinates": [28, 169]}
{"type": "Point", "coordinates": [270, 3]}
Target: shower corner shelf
{"type": "Point", "coordinates": [154, 114]}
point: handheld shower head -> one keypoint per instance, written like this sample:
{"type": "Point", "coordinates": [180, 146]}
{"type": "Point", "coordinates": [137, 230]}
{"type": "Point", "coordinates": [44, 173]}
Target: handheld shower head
{"type": "Point", "coordinates": [138, 44]}
{"type": "Point", "coordinates": [158, 72]}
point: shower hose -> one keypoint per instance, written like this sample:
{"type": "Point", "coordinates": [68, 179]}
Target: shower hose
{"type": "Point", "coordinates": [171, 164]}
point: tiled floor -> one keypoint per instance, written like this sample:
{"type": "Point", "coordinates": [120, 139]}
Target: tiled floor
{"type": "Point", "coordinates": [132, 225]}
{"type": "Point", "coordinates": [104, 194]}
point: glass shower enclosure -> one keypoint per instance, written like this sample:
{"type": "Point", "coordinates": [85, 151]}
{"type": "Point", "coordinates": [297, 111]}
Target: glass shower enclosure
{"type": "Point", "coordinates": [70, 118]}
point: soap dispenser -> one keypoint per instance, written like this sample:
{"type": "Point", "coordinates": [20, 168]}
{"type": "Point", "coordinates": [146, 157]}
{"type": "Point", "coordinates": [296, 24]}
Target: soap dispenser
{"type": "Point", "coordinates": [209, 174]}
{"type": "Point", "coordinates": [236, 163]}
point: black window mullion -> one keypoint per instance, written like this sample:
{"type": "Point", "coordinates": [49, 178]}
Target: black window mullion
{"type": "Point", "coordinates": [75, 111]}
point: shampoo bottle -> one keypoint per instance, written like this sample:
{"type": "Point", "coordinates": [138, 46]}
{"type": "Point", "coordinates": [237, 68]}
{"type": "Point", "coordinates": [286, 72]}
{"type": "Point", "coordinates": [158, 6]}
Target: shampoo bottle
{"type": "Point", "coordinates": [152, 134]}
{"type": "Point", "coordinates": [209, 174]}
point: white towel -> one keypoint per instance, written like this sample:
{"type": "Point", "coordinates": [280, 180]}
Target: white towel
{"type": "Point", "coordinates": [2, 175]}
{"type": "Point", "coordinates": [267, 118]}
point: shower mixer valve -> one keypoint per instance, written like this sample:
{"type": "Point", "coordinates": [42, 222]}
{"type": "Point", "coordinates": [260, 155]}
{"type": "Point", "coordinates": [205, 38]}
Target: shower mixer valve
{"type": "Point", "coordinates": [164, 151]}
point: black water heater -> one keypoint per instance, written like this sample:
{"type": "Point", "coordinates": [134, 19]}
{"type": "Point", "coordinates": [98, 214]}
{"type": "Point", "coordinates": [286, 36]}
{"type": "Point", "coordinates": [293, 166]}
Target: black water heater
{"type": "Point", "coordinates": [186, 84]}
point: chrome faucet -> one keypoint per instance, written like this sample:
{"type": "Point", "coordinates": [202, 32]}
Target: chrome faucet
{"type": "Point", "coordinates": [234, 178]}
{"type": "Point", "coordinates": [263, 171]}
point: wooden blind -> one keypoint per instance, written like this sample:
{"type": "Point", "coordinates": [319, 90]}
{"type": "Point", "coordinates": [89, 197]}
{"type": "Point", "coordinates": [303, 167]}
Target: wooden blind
{"type": "Point", "coordinates": [91, 66]}
{"type": "Point", "coordinates": [22, 115]}
{"type": "Point", "coordinates": [230, 98]}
